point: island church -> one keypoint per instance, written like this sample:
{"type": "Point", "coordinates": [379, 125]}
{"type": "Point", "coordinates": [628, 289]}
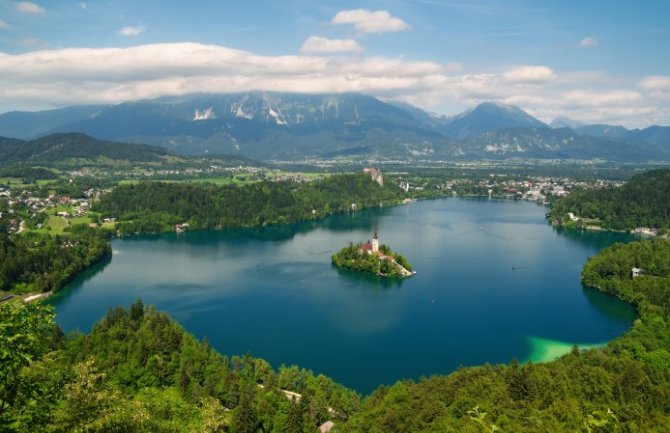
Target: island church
{"type": "Point", "coordinates": [372, 247]}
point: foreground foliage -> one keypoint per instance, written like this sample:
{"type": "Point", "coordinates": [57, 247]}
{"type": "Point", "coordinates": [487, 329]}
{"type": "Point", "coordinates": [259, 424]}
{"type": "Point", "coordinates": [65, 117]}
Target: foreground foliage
{"type": "Point", "coordinates": [644, 201]}
{"type": "Point", "coordinates": [138, 371]}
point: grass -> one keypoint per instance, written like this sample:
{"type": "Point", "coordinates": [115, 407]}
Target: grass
{"type": "Point", "coordinates": [57, 224]}
{"type": "Point", "coordinates": [242, 180]}
{"type": "Point", "coordinates": [12, 182]}
{"type": "Point", "coordinates": [109, 225]}
{"type": "Point", "coordinates": [80, 220]}
{"type": "Point", "coordinates": [61, 208]}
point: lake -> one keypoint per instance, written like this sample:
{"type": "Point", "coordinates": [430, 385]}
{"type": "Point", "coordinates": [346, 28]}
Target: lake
{"type": "Point", "coordinates": [494, 281]}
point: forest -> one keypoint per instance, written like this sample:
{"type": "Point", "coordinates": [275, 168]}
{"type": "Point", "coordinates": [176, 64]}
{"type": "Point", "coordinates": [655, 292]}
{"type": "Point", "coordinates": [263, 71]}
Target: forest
{"type": "Point", "coordinates": [39, 262]}
{"type": "Point", "coordinates": [138, 371]}
{"type": "Point", "coordinates": [643, 201]}
{"type": "Point", "coordinates": [153, 207]}
{"type": "Point", "coordinates": [354, 258]}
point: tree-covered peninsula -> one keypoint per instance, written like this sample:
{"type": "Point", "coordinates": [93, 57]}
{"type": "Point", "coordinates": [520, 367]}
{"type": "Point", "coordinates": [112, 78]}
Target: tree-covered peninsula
{"type": "Point", "coordinates": [643, 201]}
{"type": "Point", "coordinates": [152, 207]}
{"type": "Point", "coordinates": [40, 262]}
{"type": "Point", "coordinates": [373, 258]}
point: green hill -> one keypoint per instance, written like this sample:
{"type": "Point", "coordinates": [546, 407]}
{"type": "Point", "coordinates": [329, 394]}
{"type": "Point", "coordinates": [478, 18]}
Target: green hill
{"type": "Point", "coordinates": [57, 148]}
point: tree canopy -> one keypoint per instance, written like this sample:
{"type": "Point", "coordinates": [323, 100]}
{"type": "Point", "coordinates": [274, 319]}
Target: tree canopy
{"type": "Point", "coordinates": [643, 201]}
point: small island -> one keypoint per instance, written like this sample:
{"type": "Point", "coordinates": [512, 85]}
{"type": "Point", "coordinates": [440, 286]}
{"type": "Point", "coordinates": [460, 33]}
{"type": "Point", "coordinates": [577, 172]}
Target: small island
{"type": "Point", "coordinates": [373, 258]}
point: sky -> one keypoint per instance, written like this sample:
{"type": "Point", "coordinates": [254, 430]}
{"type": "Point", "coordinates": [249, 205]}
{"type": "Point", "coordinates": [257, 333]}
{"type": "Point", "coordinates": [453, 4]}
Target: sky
{"type": "Point", "coordinates": [593, 61]}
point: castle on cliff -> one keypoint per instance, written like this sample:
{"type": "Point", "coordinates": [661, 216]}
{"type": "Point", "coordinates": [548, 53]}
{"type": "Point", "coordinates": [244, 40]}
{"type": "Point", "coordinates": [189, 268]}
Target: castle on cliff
{"type": "Point", "coordinates": [375, 174]}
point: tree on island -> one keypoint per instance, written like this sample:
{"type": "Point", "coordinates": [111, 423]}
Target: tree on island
{"type": "Point", "coordinates": [372, 258]}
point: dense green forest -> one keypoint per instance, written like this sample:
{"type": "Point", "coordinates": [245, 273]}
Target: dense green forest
{"type": "Point", "coordinates": [354, 258]}
{"type": "Point", "coordinates": [152, 207]}
{"type": "Point", "coordinates": [644, 201]}
{"type": "Point", "coordinates": [41, 262]}
{"type": "Point", "coordinates": [139, 371]}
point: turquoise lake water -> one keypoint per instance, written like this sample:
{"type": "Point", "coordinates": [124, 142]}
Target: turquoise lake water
{"type": "Point", "coordinates": [494, 281]}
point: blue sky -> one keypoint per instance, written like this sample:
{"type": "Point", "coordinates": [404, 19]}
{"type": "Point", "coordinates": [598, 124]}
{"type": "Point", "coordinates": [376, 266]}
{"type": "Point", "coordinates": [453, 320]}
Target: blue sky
{"type": "Point", "coordinates": [596, 61]}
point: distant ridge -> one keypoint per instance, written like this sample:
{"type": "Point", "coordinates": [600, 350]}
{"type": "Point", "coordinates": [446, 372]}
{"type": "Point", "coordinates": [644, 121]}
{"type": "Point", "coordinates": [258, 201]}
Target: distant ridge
{"type": "Point", "coordinates": [62, 146]}
{"type": "Point", "coordinates": [290, 126]}
{"type": "Point", "coordinates": [489, 116]}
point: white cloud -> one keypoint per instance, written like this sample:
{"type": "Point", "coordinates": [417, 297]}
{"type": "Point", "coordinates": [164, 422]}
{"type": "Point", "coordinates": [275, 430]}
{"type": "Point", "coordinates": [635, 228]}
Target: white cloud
{"type": "Point", "coordinates": [656, 82]}
{"type": "Point", "coordinates": [60, 77]}
{"type": "Point", "coordinates": [131, 31]}
{"type": "Point", "coordinates": [3, 25]}
{"type": "Point", "coordinates": [367, 21]}
{"type": "Point", "coordinates": [591, 98]}
{"type": "Point", "coordinates": [589, 41]}
{"type": "Point", "coordinates": [28, 7]}
{"type": "Point", "coordinates": [83, 5]}
{"type": "Point", "coordinates": [317, 44]}
{"type": "Point", "coordinates": [530, 75]}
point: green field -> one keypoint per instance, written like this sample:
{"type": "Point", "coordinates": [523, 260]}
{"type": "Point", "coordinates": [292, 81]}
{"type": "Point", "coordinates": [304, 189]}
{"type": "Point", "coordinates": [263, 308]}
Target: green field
{"type": "Point", "coordinates": [57, 224]}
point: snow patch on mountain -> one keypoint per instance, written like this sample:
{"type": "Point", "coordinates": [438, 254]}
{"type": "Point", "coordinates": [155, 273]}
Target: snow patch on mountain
{"type": "Point", "coordinates": [205, 114]}
{"type": "Point", "coordinates": [277, 116]}
{"type": "Point", "coordinates": [240, 114]}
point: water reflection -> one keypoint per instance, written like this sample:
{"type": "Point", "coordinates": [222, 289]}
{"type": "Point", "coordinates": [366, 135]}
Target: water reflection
{"type": "Point", "coordinates": [84, 276]}
{"type": "Point", "coordinates": [602, 302]}
{"type": "Point", "coordinates": [592, 238]}
{"type": "Point", "coordinates": [369, 281]}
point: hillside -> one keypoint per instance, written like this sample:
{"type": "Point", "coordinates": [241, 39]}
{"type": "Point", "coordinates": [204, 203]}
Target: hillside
{"type": "Point", "coordinates": [139, 371]}
{"type": "Point", "coordinates": [291, 126]}
{"type": "Point", "coordinates": [644, 201]}
{"type": "Point", "coordinates": [68, 146]}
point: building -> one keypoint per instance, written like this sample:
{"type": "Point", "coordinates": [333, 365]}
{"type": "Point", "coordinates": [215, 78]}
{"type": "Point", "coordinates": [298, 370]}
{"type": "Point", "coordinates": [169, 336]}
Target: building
{"type": "Point", "coordinates": [375, 243]}
{"type": "Point", "coordinates": [372, 247]}
{"type": "Point", "coordinates": [636, 272]}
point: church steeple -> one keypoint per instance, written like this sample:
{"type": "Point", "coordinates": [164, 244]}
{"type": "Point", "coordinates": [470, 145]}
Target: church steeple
{"type": "Point", "coordinates": [375, 243]}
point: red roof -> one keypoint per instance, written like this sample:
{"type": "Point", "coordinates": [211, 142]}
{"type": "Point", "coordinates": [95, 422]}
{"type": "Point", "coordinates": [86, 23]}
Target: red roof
{"type": "Point", "coordinates": [366, 246]}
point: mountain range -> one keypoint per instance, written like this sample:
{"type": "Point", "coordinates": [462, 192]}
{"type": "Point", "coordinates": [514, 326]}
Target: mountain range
{"type": "Point", "coordinates": [266, 125]}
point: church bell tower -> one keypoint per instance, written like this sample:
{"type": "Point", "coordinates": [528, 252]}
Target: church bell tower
{"type": "Point", "coordinates": [375, 243]}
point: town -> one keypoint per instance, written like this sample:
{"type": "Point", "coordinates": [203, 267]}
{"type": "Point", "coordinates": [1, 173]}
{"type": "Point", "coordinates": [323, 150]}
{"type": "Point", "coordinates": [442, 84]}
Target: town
{"type": "Point", "coordinates": [40, 206]}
